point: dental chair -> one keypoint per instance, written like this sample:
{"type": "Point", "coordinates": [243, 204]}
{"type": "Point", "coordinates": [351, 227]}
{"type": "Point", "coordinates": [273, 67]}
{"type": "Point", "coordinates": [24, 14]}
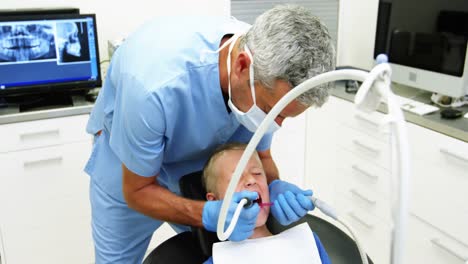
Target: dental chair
{"type": "Point", "coordinates": [196, 246]}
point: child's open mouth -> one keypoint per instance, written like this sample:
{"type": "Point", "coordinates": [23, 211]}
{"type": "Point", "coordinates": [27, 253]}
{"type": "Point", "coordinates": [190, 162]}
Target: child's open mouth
{"type": "Point", "coordinates": [259, 201]}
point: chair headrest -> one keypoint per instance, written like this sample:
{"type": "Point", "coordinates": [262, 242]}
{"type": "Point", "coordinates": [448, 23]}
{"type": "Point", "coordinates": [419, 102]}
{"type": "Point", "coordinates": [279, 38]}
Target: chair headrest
{"type": "Point", "coordinates": [191, 187]}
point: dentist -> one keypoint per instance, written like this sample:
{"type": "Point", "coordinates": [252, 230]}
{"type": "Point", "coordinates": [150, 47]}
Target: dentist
{"type": "Point", "coordinates": [175, 90]}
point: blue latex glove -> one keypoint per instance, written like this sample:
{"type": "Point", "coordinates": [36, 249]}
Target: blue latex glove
{"type": "Point", "coordinates": [289, 202]}
{"type": "Point", "coordinates": [247, 218]}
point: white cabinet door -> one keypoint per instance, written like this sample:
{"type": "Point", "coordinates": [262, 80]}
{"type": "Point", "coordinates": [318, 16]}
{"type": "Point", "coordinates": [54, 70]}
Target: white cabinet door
{"type": "Point", "coordinates": [44, 205]}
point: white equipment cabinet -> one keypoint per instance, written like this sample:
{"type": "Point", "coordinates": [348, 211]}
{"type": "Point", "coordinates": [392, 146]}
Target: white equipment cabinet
{"type": "Point", "coordinates": [44, 197]}
{"type": "Point", "coordinates": [347, 165]}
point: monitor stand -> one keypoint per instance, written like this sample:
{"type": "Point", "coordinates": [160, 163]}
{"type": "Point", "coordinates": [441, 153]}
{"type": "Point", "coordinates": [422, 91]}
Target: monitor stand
{"type": "Point", "coordinates": [27, 103]}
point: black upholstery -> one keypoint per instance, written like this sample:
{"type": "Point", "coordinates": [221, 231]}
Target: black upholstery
{"type": "Point", "coordinates": [339, 246]}
{"type": "Point", "coordinates": [191, 187]}
{"type": "Point", "coordinates": [195, 247]}
{"type": "Point", "coordinates": [179, 249]}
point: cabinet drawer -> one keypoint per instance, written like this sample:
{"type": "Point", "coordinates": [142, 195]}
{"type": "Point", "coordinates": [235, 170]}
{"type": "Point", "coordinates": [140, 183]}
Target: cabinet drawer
{"type": "Point", "coordinates": [364, 146]}
{"type": "Point", "coordinates": [363, 184]}
{"type": "Point", "coordinates": [47, 132]}
{"type": "Point", "coordinates": [353, 168]}
{"type": "Point", "coordinates": [371, 232]}
{"type": "Point", "coordinates": [66, 238]}
{"type": "Point", "coordinates": [441, 199]}
{"type": "Point", "coordinates": [427, 245]}
{"type": "Point", "coordinates": [365, 198]}
{"type": "Point", "coordinates": [368, 123]}
{"type": "Point", "coordinates": [438, 150]}
{"type": "Point", "coordinates": [44, 204]}
{"type": "Point", "coordinates": [346, 113]}
{"type": "Point", "coordinates": [440, 182]}
{"type": "Point", "coordinates": [48, 172]}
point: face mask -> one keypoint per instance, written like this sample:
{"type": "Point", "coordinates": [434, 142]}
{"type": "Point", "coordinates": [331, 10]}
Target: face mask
{"type": "Point", "coordinates": [254, 116]}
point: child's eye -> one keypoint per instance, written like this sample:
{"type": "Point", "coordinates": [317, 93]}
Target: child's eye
{"type": "Point", "coordinates": [257, 172]}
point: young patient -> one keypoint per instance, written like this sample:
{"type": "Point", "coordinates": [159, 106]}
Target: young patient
{"type": "Point", "coordinates": [217, 175]}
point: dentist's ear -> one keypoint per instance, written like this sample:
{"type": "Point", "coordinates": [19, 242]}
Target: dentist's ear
{"type": "Point", "coordinates": [241, 66]}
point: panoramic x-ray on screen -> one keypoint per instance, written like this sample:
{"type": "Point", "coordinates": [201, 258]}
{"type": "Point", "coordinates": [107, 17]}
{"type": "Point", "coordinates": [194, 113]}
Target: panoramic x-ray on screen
{"type": "Point", "coordinates": [22, 42]}
{"type": "Point", "coordinates": [27, 42]}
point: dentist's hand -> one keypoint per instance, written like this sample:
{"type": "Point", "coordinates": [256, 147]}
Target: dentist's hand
{"type": "Point", "coordinates": [290, 202]}
{"type": "Point", "coordinates": [247, 218]}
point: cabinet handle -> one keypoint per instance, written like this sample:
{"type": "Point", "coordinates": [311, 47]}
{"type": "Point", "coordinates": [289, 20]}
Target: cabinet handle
{"type": "Point", "coordinates": [447, 248]}
{"type": "Point", "coordinates": [362, 197]}
{"type": "Point", "coordinates": [39, 134]}
{"type": "Point", "coordinates": [360, 220]}
{"type": "Point", "coordinates": [455, 155]}
{"type": "Point", "coordinates": [364, 146]}
{"type": "Point", "coordinates": [34, 163]}
{"type": "Point", "coordinates": [363, 172]}
{"type": "Point", "coordinates": [367, 120]}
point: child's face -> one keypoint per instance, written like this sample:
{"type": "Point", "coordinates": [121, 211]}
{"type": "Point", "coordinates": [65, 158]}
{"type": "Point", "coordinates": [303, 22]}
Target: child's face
{"type": "Point", "coordinates": [253, 179]}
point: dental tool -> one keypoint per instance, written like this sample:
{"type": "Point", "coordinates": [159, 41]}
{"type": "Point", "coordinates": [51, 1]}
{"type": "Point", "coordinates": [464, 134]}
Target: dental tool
{"type": "Point", "coordinates": [329, 211]}
{"type": "Point", "coordinates": [265, 204]}
{"type": "Point", "coordinates": [374, 89]}
{"type": "Point", "coordinates": [244, 203]}
{"type": "Point", "coordinates": [249, 203]}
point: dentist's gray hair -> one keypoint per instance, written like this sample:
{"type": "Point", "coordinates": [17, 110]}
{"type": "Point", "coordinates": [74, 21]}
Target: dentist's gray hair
{"type": "Point", "coordinates": [289, 43]}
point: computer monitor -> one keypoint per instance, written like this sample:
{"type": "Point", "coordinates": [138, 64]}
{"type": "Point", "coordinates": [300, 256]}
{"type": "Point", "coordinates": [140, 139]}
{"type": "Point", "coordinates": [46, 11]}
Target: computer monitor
{"type": "Point", "coordinates": [50, 53]}
{"type": "Point", "coordinates": [426, 42]}
{"type": "Point", "coordinates": [39, 11]}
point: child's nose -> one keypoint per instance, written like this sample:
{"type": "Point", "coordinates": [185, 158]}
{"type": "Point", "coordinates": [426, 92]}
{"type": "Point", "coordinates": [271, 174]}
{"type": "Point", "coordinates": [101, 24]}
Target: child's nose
{"type": "Point", "coordinates": [250, 181]}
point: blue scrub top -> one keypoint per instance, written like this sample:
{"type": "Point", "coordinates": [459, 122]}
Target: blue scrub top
{"type": "Point", "coordinates": [161, 109]}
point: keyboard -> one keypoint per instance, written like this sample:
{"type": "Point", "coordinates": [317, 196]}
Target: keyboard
{"type": "Point", "coordinates": [415, 107]}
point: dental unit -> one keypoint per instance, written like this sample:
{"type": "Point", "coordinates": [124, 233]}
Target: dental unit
{"type": "Point", "coordinates": [374, 90]}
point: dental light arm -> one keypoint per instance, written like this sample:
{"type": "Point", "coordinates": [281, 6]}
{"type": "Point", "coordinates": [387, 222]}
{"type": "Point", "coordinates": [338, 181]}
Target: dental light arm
{"type": "Point", "coordinates": [376, 86]}
{"type": "Point", "coordinates": [291, 95]}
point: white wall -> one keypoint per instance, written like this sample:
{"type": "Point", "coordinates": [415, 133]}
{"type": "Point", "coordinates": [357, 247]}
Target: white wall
{"type": "Point", "coordinates": [357, 22]}
{"type": "Point", "coordinates": [288, 149]}
{"type": "Point", "coordinates": [116, 19]}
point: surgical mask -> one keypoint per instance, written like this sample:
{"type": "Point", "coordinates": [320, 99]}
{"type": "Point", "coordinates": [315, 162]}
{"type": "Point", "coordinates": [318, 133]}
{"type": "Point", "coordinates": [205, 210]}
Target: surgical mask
{"type": "Point", "coordinates": [254, 116]}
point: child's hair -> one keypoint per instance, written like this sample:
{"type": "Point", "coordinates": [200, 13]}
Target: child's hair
{"type": "Point", "coordinates": [209, 177]}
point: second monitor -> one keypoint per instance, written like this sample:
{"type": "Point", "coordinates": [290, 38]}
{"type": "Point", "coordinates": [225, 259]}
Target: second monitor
{"type": "Point", "coordinates": [426, 43]}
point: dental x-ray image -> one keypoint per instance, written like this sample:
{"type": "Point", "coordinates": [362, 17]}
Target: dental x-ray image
{"type": "Point", "coordinates": [72, 42]}
{"type": "Point", "coordinates": [20, 42]}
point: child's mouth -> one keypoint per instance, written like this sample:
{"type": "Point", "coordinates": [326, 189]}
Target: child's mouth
{"type": "Point", "coordinates": [259, 200]}
{"type": "Point", "coordinates": [260, 203]}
